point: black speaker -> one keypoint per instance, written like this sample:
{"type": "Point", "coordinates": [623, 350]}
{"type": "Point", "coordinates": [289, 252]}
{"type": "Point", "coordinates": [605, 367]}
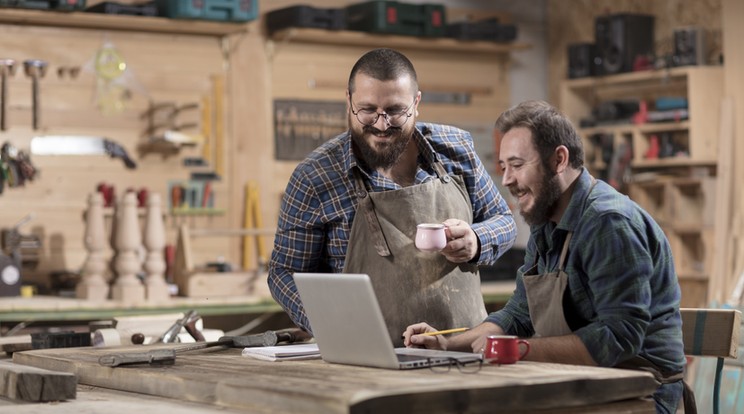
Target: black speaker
{"type": "Point", "coordinates": [689, 46]}
{"type": "Point", "coordinates": [582, 60]}
{"type": "Point", "coordinates": [621, 38]}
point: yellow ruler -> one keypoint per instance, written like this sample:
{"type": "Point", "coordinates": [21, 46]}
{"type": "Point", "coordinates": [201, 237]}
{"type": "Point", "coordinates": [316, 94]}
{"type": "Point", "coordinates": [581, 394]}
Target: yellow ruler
{"type": "Point", "coordinates": [218, 100]}
{"type": "Point", "coordinates": [253, 220]}
{"type": "Point", "coordinates": [206, 129]}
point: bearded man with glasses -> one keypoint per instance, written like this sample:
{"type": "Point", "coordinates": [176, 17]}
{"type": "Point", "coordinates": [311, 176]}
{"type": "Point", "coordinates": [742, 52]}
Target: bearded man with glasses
{"type": "Point", "coordinates": [353, 204]}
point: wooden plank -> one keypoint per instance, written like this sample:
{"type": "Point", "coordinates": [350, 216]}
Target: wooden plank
{"type": "Point", "coordinates": [345, 38]}
{"type": "Point", "coordinates": [711, 332]}
{"type": "Point", "coordinates": [724, 204]}
{"type": "Point", "coordinates": [225, 378]}
{"type": "Point", "coordinates": [731, 18]}
{"type": "Point", "coordinates": [96, 400]}
{"type": "Point", "coordinates": [118, 22]}
{"type": "Point", "coordinates": [24, 383]}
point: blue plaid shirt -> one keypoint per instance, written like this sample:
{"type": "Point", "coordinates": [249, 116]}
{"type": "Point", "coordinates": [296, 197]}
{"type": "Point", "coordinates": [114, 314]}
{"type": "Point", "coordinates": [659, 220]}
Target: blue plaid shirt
{"type": "Point", "coordinates": [623, 294]}
{"type": "Point", "coordinates": [319, 205]}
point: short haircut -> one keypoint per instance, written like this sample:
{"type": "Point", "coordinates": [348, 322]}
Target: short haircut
{"type": "Point", "coordinates": [550, 129]}
{"type": "Point", "coordinates": [383, 64]}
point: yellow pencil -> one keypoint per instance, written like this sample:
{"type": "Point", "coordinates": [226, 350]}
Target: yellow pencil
{"type": "Point", "coordinates": [446, 331]}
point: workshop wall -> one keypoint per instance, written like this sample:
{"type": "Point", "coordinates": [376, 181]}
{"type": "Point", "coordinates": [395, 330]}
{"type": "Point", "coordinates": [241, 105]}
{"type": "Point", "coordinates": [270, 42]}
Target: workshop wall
{"type": "Point", "coordinates": [160, 68]}
{"type": "Point", "coordinates": [179, 69]}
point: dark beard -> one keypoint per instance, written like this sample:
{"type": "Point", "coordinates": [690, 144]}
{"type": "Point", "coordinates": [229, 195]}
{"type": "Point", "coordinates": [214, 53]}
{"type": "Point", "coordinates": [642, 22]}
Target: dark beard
{"type": "Point", "coordinates": [545, 201]}
{"type": "Point", "coordinates": [385, 155]}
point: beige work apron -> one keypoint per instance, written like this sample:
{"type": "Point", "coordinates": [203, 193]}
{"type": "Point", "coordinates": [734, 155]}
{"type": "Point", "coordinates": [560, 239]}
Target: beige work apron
{"type": "Point", "coordinates": [545, 300]}
{"type": "Point", "coordinates": [545, 293]}
{"type": "Point", "coordinates": [414, 286]}
{"type": "Point", "coordinates": [545, 297]}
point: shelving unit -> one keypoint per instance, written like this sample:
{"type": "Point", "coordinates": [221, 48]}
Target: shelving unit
{"type": "Point", "coordinates": [82, 20]}
{"type": "Point", "coordinates": [678, 190]}
{"type": "Point", "coordinates": [702, 86]}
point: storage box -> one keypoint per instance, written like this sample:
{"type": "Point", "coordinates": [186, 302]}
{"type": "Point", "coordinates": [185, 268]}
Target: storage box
{"type": "Point", "coordinates": [64, 5]}
{"type": "Point", "coordinates": [393, 17]}
{"type": "Point", "coordinates": [220, 10]}
{"type": "Point", "coordinates": [305, 16]}
{"type": "Point", "coordinates": [110, 7]}
{"type": "Point", "coordinates": [489, 29]}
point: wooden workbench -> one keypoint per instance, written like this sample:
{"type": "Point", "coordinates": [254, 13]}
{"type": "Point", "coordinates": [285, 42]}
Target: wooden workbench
{"type": "Point", "coordinates": [52, 308]}
{"type": "Point", "coordinates": [223, 378]}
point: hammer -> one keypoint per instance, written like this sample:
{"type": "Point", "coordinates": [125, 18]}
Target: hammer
{"type": "Point", "coordinates": [35, 69]}
{"type": "Point", "coordinates": [7, 68]}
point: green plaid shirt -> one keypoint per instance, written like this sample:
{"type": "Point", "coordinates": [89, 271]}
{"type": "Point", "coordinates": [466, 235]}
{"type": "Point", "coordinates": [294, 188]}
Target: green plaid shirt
{"type": "Point", "coordinates": [623, 296]}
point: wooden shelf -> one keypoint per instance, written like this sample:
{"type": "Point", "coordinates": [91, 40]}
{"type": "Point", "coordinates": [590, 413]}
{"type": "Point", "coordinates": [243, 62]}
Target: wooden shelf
{"type": "Point", "coordinates": [692, 276]}
{"type": "Point", "coordinates": [82, 20]}
{"type": "Point", "coordinates": [685, 228]}
{"type": "Point", "coordinates": [672, 162]}
{"type": "Point", "coordinates": [188, 211]}
{"type": "Point", "coordinates": [629, 78]}
{"type": "Point", "coordinates": [353, 38]}
{"type": "Point", "coordinates": [663, 127]}
{"type": "Point", "coordinates": [648, 128]}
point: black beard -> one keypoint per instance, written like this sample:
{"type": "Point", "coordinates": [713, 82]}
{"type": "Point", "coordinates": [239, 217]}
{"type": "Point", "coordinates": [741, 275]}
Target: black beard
{"type": "Point", "coordinates": [386, 154]}
{"type": "Point", "coordinates": [545, 201]}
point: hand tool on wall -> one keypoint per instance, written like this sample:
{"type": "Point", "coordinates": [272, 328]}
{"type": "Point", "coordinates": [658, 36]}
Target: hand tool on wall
{"type": "Point", "coordinates": [35, 69]}
{"type": "Point", "coordinates": [253, 220]}
{"type": "Point", "coordinates": [218, 100]}
{"type": "Point", "coordinates": [7, 68]}
{"type": "Point", "coordinates": [168, 355]}
{"type": "Point", "coordinates": [80, 145]}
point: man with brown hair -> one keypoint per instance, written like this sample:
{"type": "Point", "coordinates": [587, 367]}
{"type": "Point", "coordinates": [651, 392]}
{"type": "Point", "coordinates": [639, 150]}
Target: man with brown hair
{"type": "Point", "coordinates": [598, 285]}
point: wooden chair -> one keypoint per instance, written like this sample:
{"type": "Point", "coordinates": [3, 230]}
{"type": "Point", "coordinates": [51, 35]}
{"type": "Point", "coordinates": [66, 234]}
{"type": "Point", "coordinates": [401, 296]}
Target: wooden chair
{"type": "Point", "coordinates": [712, 332]}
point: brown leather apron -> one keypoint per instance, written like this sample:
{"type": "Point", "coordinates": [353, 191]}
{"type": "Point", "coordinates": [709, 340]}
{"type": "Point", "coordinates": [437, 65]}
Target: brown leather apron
{"type": "Point", "coordinates": [414, 286]}
{"type": "Point", "coordinates": [545, 300]}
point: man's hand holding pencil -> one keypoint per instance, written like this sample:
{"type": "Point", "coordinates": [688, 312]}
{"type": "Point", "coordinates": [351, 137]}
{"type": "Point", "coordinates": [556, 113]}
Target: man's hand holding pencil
{"type": "Point", "coordinates": [421, 335]}
{"type": "Point", "coordinates": [427, 336]}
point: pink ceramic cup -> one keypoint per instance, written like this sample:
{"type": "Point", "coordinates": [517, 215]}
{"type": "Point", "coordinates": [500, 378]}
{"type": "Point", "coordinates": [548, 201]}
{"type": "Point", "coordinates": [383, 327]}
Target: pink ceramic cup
{"type": "Point", "coordinates": [430, 237]}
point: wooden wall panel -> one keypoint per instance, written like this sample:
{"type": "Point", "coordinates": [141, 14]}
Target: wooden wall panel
{"type": "Point", "coordinates": [179, 68]}
{"type": "Point", "coordinates": [320, 72]}
{"type": "Point", "coordinates": [173, 68]}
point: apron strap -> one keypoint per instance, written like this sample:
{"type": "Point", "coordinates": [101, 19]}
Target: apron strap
{"type": "Point", "coordinates": [642, 364]}
{"type": "Point", "coordinates": [564, 252]}
{"type": "Point", "coordinates": [441, 173]}
{"type": "Point", "coordinates": [367, 209]}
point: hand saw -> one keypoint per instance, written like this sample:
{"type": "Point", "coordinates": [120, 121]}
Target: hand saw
{"type": "Point", "coordinates": [80, 145]}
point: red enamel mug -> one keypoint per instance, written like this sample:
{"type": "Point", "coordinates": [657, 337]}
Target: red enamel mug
{"type": "Point", "coordinates": [505, 349]}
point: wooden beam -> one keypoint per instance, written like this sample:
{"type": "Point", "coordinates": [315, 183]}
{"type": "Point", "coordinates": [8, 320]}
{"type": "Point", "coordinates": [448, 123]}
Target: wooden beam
{"type": "Point", "coordinates": [724, 204]}
{"type": "Point", "coordinates": [711, 332]}
{"type": "Point", "coordinates": [20, 382]}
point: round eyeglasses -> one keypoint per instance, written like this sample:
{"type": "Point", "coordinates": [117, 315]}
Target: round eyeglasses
{"type": "Point", "coordinates": [369, 117]}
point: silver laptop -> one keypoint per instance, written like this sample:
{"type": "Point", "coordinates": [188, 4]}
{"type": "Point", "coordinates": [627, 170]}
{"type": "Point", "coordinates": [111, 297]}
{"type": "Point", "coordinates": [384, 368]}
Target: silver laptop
{"type": "Point", "coordinates": [349, 327]}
